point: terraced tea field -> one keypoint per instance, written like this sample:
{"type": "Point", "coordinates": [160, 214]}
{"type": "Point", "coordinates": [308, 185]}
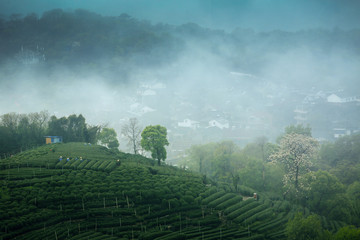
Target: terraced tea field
{"type": "Point", "coordinates": [94, 193]}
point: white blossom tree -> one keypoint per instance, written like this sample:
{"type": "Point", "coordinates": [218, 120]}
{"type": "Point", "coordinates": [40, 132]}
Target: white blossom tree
{"type": "Point", "coordinates": [295, 153]}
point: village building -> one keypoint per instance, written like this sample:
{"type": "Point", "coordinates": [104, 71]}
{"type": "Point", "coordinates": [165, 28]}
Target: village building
{"type": "Point", "coordinates": [53, 139]}
{"type": "Point", "coordinates": [189, 124]}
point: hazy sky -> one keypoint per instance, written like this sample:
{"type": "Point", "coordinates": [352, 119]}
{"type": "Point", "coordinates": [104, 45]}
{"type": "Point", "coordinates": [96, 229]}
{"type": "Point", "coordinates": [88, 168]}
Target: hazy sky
{"type": "Point", "coordinates": [224, 14]}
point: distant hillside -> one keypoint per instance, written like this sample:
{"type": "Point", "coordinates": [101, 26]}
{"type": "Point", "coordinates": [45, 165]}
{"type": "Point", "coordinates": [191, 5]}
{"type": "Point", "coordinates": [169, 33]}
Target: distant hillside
{"type": "Point", "coordinates": [97, 194]}
{"type": "Point", "coordinates": [116, 45]}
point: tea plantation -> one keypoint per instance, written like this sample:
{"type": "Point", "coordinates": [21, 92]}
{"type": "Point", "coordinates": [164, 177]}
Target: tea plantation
{"type": "Point", "coordinates": [83, 191]}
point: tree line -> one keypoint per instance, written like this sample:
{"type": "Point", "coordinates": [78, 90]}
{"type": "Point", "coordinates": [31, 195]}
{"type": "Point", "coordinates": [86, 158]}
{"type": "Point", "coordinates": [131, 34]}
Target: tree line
{"type": "Point", "coordinates": [80, 38]}
{"type": "Point", "coordinates": [19, 132]}
{"type": "Point", "coordinates": [77, 37]}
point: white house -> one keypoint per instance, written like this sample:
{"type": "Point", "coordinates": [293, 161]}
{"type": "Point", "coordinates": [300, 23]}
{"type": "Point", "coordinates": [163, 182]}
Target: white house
{"type": "Point", "coordinates": [139, 109]}
{"type": "Point", "coordinates": [333, 98]}
{"type": "Point", "coordinates": [189, 124]}
{"type": "Point", "coordinates": [340, 132]}
{"type": "Point", "coordinates": [219, 123]}
{"type": "Point", "coordinates": [147, 92]}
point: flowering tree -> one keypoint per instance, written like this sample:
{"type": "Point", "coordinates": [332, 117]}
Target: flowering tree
{"type": "Point", "coordinates": [295, 153]}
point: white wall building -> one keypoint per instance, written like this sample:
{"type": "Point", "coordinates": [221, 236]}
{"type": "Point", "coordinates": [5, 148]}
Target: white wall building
{"type": "Point", "coordinates": [189, 124]}
{"type": "Point", "coordinates": [219, 124]}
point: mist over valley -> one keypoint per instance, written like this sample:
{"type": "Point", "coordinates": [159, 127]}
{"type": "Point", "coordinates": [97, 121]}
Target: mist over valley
{"type": "Point", "coordinates": [203, 84]}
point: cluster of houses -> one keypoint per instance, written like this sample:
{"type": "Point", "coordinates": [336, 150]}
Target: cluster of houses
{"type": "Point", "coordinates": [217, 123]}
{"type": "Point", "coordinates": [331, 115]}
{"type": "Point", "coordinates": [239, 111]}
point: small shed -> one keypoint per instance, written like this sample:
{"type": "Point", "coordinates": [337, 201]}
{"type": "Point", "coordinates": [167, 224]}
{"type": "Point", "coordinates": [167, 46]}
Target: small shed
{"type": "Point", "coordinates": [53, 139]}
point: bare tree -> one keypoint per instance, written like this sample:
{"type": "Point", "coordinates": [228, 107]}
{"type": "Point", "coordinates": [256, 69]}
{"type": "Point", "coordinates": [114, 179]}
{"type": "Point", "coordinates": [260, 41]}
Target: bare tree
{"type": "Point", "coordinates": [132, 131]}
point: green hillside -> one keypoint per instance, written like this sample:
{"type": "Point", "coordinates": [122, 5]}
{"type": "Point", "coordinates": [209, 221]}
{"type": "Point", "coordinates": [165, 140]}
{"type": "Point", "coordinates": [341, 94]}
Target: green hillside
{"type": "Point", "coordinates": [100, 194]}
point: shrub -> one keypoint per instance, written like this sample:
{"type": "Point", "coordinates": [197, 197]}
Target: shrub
{"type": "Point", "coordinates": [237, 206]}
{"type": "Point", "coordinates": [212, 197]}
{"type": "Point", "coordinates": [222, 199]}
{"type": "Point", "coordinates": [242, 210]}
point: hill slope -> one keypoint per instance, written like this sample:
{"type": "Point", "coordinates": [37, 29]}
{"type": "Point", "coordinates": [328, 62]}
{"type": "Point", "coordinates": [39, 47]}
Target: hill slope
{"type": "Point", "coordinates": [99, 194]}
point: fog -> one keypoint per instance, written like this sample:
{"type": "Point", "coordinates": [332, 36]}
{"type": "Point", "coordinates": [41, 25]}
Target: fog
{"type": "Point", "coordinates": [241, 70]}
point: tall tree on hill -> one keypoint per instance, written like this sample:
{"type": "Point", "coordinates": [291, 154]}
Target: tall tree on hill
{"type": "Point", "coordinates": [153, 139]}
{"type": "Point", "coordinates": [132, 131]}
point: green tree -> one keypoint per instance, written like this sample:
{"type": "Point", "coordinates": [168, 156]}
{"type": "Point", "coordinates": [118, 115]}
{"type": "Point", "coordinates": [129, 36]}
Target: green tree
{"type": "Point", "coordinates": [353, 193]}
{"type": "Point", "coordinates": [348, 233]}
{"type": "Point", "coordinates": [57, 127]}
{"type": "Point", "coordinates": [38, 125]}
{"type": "Point", "coordinates": [76, 128]}
{"type": "Point", "coordinates": [72, 129]}
{"type": "Point", "coordinates": [342, 156]}
{"type": "Point", "coordinates": [223, 160]}
{"type": "Point", "coordinates": [7, 141]}
{"type": "Point", "coordinates": [298, 129]}
{"type": "Point", "coordinates": [250, 171]}
{"type": "Point", "coordinates": [261, 149]}
{"type": "Point", "coordinates": [199, 157]}
{"type": "Point", "coordinates": [91, 133]}
{"type": "Point", "coordinates": [326, 196]}
{"type": "Point", "coordinates": [10, 121]}
{"type": "Point", "coordinates": [108, 137]}
{"type": "Point", "coordinates": [25, 130]}
{"type": "Point", "coordinates": [154, 139]}
{"type": "Point", "coordinates": [344, 148]}
{"type": "Point", "coordinates": [295, 153]}
{"type": "Point", "coordinates": [301, 228]}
